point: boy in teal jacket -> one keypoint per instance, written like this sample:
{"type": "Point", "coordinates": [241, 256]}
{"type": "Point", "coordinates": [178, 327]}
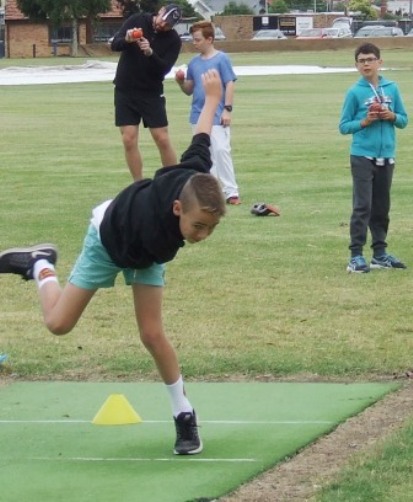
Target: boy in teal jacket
{"type": "Point", "coordinates": [372, 108]}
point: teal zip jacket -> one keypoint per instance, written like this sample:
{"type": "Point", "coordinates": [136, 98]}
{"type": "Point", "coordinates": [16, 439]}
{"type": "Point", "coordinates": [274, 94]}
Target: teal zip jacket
{"type": "Point", "coordinates": [378, 140]}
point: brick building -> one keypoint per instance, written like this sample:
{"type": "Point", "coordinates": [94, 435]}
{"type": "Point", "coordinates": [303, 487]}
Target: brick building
{"type": "Point", "coordinates": [25, 38]}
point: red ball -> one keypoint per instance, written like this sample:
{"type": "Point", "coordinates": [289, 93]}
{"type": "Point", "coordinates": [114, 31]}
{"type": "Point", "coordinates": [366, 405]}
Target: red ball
{"type": "Point", "coordinates": [375, 108]}
{"type": "Point", "coordinates": [180, 75]}
{"type": "Point", "coordinates": [137, 33]}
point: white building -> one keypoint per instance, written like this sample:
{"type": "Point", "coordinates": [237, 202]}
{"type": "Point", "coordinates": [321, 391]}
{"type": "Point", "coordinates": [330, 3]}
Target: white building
{"type": "Point", "coordinates": [402, 6]}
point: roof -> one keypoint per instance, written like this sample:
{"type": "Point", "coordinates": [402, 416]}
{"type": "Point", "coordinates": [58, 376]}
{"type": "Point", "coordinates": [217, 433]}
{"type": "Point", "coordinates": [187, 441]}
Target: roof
{"type": "Point", "coordinates": [13, 13]}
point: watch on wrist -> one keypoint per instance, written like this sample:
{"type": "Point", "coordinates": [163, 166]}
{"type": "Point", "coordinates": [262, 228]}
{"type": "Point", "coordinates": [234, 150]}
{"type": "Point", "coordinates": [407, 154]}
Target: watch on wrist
{"type": "Point", "coordinates": [228, 108]}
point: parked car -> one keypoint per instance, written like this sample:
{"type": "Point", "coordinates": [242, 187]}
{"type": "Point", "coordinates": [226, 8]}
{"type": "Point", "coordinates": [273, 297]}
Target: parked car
{"type": "Point", "coordinates": [317, 33]}
{"type": "Point", "coordinates": [379, 31]}
{"type": "Point", "coordinates": [342, 21]}
{"type": "Point", "coordinates": [219, 35]}
{"type": "Point", "coordinates": [269, 35]}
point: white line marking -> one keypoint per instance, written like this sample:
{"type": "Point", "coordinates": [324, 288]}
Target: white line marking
{"type": "Point", "coordinates": [171, 459]}
{"type": "Point", "coordinates": [220, 422]}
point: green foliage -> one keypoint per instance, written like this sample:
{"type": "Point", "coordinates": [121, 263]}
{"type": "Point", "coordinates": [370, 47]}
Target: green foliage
{"type": "Point", "coordinates": [232, 8]}
{"type": "Point", "coordinates": [340, 7]}
{"type": "Point", "coordinates": [279, 7]}
{"type": "Point", "coordinates": [363, 6]}
{"type": "Point", "coordinates": [154, 5]}
{"type": "Point", "coordinates": [32, 9]}
{"type": "Point", "coordinates": [130, 7]}
{"type": "Point", "coordinates": [59, 11]}
{"type": "Point", "coordinates": [149, 5]}
{"type": "Point", "coordinates": [187, 9]}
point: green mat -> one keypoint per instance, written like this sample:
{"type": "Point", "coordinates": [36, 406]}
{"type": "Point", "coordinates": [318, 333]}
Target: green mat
{"type": "Point", "coordinates": [51, 452]}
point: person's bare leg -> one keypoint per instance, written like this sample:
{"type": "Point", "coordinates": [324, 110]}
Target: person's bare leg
{"type": "Point", "coordinates": [130, 138]}
{"type": "Point", "coordinates": [148, 310]}
{"type": "Point", "coordinates": [167, 152]}
{"type": "Point", "coordinates": [62, 308]}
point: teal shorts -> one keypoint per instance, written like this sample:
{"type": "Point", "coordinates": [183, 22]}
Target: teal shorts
{"type": "Point", "coordinates": [95, 269]}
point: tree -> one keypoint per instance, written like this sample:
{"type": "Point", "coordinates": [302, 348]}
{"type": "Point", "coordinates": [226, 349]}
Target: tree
{"type": "Point", "coordinates": [233, 8]}
{"type": "Point", "coordinates": [278, 7]}
{"type": "Point", "coordinates": [363, 6]}
{"type": "Point", "coordinates": [129, 7]}
{"type": "Point", "coordinates": [59, 12]}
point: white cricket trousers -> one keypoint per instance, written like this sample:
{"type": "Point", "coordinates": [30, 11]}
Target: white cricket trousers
{"type": "Point", "coordinates": [222, 165]}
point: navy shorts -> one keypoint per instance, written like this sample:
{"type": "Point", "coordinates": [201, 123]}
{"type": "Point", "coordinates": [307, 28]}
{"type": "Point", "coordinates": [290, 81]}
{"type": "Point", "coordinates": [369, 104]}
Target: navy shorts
{"type": "Point", "coordinates": [131, 108]}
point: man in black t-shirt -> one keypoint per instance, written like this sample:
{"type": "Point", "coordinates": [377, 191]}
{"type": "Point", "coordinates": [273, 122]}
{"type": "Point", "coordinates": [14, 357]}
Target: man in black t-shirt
{"type": "Point", "coordinates": [149, 48]}
{"type": "Point", "coordinates": [138, 231]}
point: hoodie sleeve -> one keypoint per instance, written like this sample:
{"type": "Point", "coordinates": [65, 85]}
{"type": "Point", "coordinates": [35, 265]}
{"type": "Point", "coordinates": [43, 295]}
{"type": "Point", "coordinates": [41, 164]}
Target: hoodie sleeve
{"type": "Point", "coordinates": [198, 155]}
{"type": "Point", "coordinates": [399, 110]}
{"type": "Point", "coordinates": [350, 121]}
{"type": "Point", "coordinates": [119, 43]}
{"type": "Point", "coordinates": [162, 65]}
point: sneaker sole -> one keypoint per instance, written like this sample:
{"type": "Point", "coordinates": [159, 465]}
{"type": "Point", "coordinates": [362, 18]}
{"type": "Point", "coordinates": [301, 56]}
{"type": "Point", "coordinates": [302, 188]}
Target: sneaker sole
{"type": "Point", "coordinates": [376, 266]}
{"type": "Point", "coordinates": [351, 271]}
{"type": "Point", "coordinates": [385, 267]}
{"type": "Point", "coordinates": [192, 452]}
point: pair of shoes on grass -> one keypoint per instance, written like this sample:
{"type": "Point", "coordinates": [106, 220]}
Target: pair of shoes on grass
{"type": "Point", "coordinates": [358, 264]}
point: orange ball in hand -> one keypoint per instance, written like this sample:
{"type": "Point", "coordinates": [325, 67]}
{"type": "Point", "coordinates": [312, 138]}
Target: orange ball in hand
{"type": "Point", "coordinates": [137, 33]}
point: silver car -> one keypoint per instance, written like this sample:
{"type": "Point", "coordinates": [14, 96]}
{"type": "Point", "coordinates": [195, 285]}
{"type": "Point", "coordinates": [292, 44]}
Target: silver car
{"type": "Point", "coordinates": [269, 35]}
{"type": "Point", "coordinates": [379, 31]}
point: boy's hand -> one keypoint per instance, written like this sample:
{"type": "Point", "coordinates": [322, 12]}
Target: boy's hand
{"type": "Point", "coordinates": [180, 76]}
{"type": "Point", "coordinates": [372, 116]}
{"type": "Point", "coordinates": [131, 35]}
{"type": "Point", "coordinates": [387, 114]}
{"type": "Point", "coordinates": [212, 85]}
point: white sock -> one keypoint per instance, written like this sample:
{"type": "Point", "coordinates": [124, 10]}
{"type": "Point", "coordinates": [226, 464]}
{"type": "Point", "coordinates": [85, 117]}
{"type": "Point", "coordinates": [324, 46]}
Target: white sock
{"type": "Point", "coordinates": [43, 272]}
{"type": "Point", "coordinates": [179, 401]}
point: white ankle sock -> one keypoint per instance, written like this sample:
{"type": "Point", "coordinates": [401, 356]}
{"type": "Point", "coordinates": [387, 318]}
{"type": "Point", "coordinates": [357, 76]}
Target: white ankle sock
{"type": "Point", "coordinates": [179, 401]}
{"type": "Point", "coordinates": [43, 272]}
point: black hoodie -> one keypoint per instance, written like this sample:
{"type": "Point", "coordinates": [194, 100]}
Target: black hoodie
{"type": "Point", "coordinates": [139, 227]}
{"type": "Point", "coordinates": [136, 71]}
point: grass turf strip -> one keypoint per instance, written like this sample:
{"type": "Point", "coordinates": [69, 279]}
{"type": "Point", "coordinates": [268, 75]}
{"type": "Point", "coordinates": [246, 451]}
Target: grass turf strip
{"type": "Point", "coordinates": [49, 441]}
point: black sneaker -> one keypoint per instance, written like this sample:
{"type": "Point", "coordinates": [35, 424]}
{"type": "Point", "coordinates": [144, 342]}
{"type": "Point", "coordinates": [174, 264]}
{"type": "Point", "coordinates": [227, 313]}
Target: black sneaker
{"type": "Point", "coordinates": [386, 261]}
{"type": "Point", "coordinates": [20, 261]}
{"type": "Point", "coordinates": [187, 441]}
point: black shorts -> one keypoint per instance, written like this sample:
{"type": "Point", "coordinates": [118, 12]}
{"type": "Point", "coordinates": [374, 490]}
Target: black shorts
{"type": "Point", "coordinates": [132, 107]}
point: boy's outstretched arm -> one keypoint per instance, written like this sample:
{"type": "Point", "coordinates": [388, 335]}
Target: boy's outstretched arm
{"type": "Point", "coordinates": [212, 84]}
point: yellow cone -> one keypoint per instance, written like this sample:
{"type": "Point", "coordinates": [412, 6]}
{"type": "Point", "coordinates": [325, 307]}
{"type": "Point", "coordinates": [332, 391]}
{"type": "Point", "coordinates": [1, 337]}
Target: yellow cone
{"type": "Point", "coordinates": [116, 410]}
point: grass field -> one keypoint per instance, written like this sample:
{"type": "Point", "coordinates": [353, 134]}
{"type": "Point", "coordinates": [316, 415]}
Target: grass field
{"type": "Point", "coordinates": [263, 296]}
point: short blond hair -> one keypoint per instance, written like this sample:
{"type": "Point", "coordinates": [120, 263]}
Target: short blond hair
{"type": "Point", "coordinates": [205, 191]}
